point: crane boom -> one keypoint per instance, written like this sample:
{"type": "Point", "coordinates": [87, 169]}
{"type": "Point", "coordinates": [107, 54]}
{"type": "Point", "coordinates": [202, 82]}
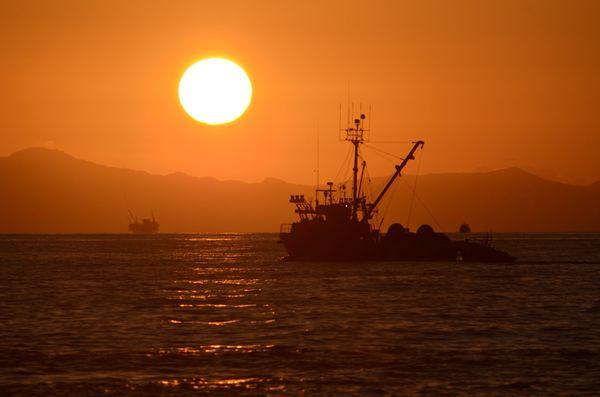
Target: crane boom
{"type": "Point", "coordinates": [399, 169]}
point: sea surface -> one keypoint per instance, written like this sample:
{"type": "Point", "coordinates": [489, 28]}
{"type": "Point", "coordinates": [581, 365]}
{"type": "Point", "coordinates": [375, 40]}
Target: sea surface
{"type": "Point", "coordinates": [179, 315]}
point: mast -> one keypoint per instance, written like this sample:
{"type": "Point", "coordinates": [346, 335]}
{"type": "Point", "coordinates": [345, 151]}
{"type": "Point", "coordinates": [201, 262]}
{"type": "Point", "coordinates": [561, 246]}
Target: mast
{"type": "Point", "coordinates": [399, 169]}
{"type": "Point", "coordinates": [317, 188]}
{"type": "Point", "coordinates": [355, 134]}
{"type": "Point", "coordinates": [362, 174]}
{"type": "Point", "coordinates": [354, 180]}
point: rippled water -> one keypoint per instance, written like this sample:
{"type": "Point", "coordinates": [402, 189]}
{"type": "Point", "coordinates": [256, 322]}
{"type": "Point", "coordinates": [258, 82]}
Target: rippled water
{"type": "Point", "coordinates": [189, 314]}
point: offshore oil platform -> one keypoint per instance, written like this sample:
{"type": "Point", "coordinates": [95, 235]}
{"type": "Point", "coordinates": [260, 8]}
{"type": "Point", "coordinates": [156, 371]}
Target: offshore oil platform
{"type": "Point", "coordinates": [145, 226]}
{"type": "Point", "coordinates": [339, 228]}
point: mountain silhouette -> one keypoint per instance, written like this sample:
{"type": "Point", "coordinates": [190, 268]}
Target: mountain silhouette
{"type": "Point", "coordinates": [49, 191]}
{"type": "Point", "coordinates": [595, 187]}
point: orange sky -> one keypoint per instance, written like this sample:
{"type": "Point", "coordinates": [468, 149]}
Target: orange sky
{"type": "Point", "coordinates": [486, 84]}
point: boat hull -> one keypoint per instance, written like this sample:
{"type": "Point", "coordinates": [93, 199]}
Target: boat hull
{"type": "Point", "coordinates": [408, 247]}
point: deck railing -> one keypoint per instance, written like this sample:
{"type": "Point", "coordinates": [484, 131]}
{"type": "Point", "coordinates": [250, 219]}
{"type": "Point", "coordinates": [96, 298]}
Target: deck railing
{"type": "Point", "coordinates": [285, 228]}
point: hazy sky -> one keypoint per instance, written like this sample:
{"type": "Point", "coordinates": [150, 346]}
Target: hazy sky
{"type": "Point", "coordinates": [486, 84]}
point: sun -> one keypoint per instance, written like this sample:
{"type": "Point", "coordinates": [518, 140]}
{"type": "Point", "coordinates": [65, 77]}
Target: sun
{"type": "Point", "coordinates": [215, 91]}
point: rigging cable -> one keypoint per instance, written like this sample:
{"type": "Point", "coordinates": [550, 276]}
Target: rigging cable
{"type": "Point", "coordinates": [424, 206]}
{"type": "Point", "coordinates": [368, 187]}
{"type": "Point", "coordinates": [383, 151]}
{"type": "Point", "coordinates": [369, 190]}
{"type": "Point", "coordinates": [376, 214]}
{"type": "Point", "coordinates": [347, 174]}
{"type": "Point", "coordinates": [403, 142]}
{"type": "Point", "coordinates": [412, 199]}
{"type": "Point", "coordinates": [343, 167]}
{"type": "Point", "coordinates": [389, 203]}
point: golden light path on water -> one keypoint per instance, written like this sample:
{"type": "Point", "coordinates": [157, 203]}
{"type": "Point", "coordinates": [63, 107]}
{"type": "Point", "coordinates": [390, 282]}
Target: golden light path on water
{"type": "Point", "coordinates": [215, 297]}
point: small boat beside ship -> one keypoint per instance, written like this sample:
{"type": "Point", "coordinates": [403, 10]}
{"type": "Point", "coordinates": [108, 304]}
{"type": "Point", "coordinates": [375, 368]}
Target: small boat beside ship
{"type": "Point", "coordinates": [464, 228]}
{"type": "Point", "coordinates": [334, 227]}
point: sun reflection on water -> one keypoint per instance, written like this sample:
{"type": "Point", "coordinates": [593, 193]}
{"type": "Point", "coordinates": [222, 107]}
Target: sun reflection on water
{"type": "Point", "coordinates": [203, 349]}
{"type": "Point", "coordinates": [227, 383]}
{"type": "Point", "coordinates": [210, 301]}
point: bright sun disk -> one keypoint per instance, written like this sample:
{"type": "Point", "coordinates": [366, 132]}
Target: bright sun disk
{"type": "Point", "coordinates": [215, 91]}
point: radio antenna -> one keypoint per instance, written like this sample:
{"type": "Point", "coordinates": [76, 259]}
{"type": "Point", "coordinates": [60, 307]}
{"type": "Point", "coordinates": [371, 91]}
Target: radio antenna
{"type": "Point", "coordinates": [318, 156]}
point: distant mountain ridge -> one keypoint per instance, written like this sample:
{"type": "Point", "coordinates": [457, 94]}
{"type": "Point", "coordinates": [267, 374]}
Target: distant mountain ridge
{"type": "Point", "coordinates": [49, 191]}
{"type": "Point", "coordinates": [595, 186]}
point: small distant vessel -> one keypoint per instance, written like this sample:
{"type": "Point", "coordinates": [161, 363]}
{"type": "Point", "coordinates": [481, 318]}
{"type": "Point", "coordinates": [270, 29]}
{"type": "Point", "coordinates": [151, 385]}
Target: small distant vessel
{"type": "Point", "coordinates": [146, 226]}
{"type": "Point", "coordinates": [464, 228]}
{"type": "Point", "coordinates": [335, 227]}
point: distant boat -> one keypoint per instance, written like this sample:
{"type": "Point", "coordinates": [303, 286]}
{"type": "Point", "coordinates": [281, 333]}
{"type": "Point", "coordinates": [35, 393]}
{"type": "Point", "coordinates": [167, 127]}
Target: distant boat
{"type": "Point", "coordinates": [464, 228]}
{"type": "Point", "coordinates": [146, 226]}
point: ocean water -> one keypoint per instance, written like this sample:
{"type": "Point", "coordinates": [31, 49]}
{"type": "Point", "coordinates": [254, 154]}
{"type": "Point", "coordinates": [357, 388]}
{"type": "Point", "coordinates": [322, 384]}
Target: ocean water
{"type": "Point", "coordinates": [220, 314]}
